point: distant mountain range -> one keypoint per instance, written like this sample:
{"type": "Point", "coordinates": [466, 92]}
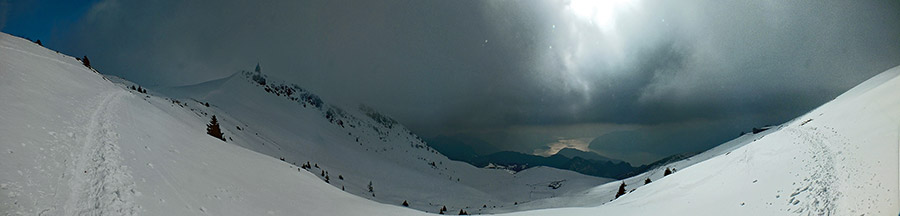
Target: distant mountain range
{"type": "Point", "coordinates": [572, 153]}
{"type": "Point", "coordinates": [589, 163]}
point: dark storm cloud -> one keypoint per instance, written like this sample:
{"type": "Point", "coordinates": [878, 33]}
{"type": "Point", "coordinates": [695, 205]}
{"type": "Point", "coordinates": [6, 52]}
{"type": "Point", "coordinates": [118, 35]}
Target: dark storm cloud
{"type": "Point", "coordinates": [425, 63]}
{"type": "Point", "coordinates": [520, 75]}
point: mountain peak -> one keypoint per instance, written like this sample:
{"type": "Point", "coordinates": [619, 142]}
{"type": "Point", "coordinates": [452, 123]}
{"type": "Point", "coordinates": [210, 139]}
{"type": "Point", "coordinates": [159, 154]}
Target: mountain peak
{"type": "Point", "coordinates": [573, 152]}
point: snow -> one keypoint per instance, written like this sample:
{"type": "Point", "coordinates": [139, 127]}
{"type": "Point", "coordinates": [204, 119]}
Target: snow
{"type": "Point", "coordinates": [364, 150]}
{"type": "Point", "coordinates": [106, 186]}
{"type": "Point", "coordinates": [74, 142]}
{"type": "Point", "coordinates": [78, 143]}
{"type": "Point", "coordinates": [839, 159]}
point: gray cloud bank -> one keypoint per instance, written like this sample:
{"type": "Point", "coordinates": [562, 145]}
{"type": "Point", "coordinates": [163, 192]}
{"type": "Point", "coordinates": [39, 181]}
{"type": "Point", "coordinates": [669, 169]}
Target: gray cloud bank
{"type": "Point", "coordinates": [686, 75]}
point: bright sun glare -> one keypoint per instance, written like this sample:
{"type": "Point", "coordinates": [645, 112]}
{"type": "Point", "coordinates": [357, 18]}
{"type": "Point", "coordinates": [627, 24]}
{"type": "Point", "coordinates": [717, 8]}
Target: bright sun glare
{"type": "Point", "coordinates": [601, 13]}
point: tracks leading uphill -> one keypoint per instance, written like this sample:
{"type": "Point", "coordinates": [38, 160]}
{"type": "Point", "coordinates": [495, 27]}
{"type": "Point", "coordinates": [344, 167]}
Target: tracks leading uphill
{"type": "Point", "coordinates": [101, 184]}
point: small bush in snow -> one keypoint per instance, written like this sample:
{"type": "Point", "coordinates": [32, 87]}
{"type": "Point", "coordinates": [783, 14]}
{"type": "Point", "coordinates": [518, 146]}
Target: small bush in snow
{"type": "Point", "coordinates": [305, 166]}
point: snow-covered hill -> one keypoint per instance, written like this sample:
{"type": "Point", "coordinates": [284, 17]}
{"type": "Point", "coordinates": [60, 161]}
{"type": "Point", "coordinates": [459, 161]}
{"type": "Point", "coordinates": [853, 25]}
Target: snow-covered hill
{"type": "Point", "coordinates": [839, 159]}
{"type": "Point", "coordinates": [357, 145]}
{"type": "Point", "coordinates": [75, 143]}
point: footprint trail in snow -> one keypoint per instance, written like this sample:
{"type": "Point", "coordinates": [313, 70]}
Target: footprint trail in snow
{"type": "Point", "coordinates": [101, 185]}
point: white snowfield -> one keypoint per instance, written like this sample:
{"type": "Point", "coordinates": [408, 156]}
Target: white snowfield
{"type": "Point", "coordinates": [839, 159]}
{"type": "Point", "coordinates": [353, 149]}
{"type": "Point", "coordinates": [74, 143]}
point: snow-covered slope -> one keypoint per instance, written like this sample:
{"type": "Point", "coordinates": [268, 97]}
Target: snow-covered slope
{"type": "Point", "coordinates": [839, 159]}
{"type": "Point", "coordinates": [75, 142]}
{"type": "Point", "coordinates": [605, 193]}
{"type": "Point", "coordinates": [357, 145]}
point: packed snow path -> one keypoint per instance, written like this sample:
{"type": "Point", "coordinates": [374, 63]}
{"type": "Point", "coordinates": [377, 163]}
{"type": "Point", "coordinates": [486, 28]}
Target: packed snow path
{"type": "Point", "coordinates": [814, 189]}
{"type": "Point", "coordinates": [101, 185]}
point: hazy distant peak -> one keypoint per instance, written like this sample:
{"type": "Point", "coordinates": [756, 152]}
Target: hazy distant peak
{"type": "Point", "coordinates": [573, 152]}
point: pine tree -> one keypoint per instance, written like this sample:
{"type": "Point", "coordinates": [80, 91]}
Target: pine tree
{"type": "Point", "coordinates": [213, 129]}
{"type": "Point", "coordinates": [463, 212]}
{"type": "Point", "coordinates": [621, 190]}
{"type": "Point", "coordinates": [647, 181]}
{"type": "Point", "coordinates": [405, 203]}
{"type": "Point", "coordinates": [371, 190]}
{"type": "Point", "coordinates": [667, 172]}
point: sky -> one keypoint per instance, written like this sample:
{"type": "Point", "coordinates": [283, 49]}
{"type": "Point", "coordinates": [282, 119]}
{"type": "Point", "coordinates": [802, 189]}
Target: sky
{"type": "Point", "coordinates": [629, 79]}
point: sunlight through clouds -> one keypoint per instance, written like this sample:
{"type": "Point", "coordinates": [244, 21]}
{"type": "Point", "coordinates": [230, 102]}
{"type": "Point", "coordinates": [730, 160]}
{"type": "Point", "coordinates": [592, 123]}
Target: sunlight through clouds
{"type": "Point", "coordinates": [577, 143]}
{"type": "Point", "coordinates": [602, 13]}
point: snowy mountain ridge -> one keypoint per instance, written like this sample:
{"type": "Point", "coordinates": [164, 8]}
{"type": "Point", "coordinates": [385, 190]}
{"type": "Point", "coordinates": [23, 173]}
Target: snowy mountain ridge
{"type": "Point", "coordinates": [75, 143]}
{"type": "Point", "coordinates": [159, 135]}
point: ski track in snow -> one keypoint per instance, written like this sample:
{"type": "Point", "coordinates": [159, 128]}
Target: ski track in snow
{"type": "Point", "coordinates": [101, 185]}
{"type": "Point", "coordinates": [816, 194]}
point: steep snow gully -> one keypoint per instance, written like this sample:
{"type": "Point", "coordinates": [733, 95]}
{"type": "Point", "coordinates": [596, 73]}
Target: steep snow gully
{"type": "Point", "coordinates": [100, 184]}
